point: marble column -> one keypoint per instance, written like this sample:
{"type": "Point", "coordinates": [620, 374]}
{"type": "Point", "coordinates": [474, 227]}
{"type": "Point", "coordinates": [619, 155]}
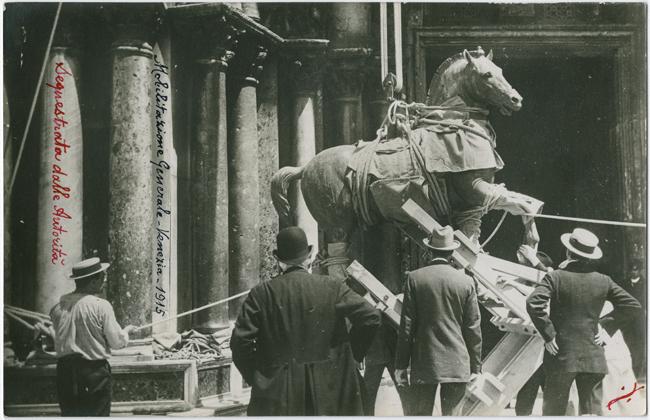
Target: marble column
{"type": "Point", "coordinates": [306, 61]}
{"type": "Point", "coordinates": [165, 167]}
{"type": "Point", "coordinates": [269, 142]}
{"type": "Point", "coordinates": [210, 183]}
{"type": "Point", "coordinates": [349, 33]}
{"type": "Point", "coordinates": [60, 201]}
{"type": "Point", "coordinates": [243, 170]}
{"type": "Point", "coordinates": [345, 87]}
{"type": "Point", "coordinates": [349, 25]}
{"type": "Point", "coordinates": [131, 197]}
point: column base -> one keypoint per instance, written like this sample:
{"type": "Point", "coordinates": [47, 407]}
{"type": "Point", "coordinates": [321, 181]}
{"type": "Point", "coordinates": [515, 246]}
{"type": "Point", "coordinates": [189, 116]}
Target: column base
{"type": "Point", "coordinates": [210, 327]}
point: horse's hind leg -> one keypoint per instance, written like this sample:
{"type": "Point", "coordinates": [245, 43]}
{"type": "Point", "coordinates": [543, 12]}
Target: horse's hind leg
{"type": "Point", "coordinates": [337, 256]}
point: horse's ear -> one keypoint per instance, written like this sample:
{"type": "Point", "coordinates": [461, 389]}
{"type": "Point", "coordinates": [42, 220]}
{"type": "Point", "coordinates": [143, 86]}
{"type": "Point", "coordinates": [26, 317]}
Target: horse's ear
{"type": "Point", "coordinates": [489, 56]}
{"type": "Point", "coordinates": [468, 57]}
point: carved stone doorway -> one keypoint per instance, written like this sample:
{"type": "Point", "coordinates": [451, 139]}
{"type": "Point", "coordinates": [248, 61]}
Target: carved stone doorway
{"type": "Point", "coordinates": [579, 143]}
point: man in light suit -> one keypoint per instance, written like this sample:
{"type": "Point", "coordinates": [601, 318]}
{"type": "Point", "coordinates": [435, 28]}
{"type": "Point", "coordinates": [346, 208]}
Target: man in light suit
{"type": "Point", "coordinates": [439, 331]}
{"type": "Point", "coordinates": [576, 293]}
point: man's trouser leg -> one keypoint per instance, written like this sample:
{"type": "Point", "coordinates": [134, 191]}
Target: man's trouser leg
{"type": "Point", "coordinates": [84, 387]}
{"type": "Point", "coordinates": [420, 400]}
{"type": "Point", "coordinates": [66, 388]}
{"type": "Point", "coordinates": [590, 393]}
{"type": "Point", "coordinates": [634, 337]}
{"type": "Point", "coordinates": [450, 396]}
{"type": "Point", "coordinates": [528, 393]}
{"type": "Point", "coordinates": [556, 392]}
{"type": "Point", "coordinates": [372, 377]}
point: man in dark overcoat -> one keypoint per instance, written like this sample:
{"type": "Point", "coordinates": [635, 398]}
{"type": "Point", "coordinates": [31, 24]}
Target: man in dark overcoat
{"type": "Point", "coordinates": [439, 332]}
{"type": "Point", "coordinates": [290, 341]}
{"type": "Point", "coordinates": [576, 293]}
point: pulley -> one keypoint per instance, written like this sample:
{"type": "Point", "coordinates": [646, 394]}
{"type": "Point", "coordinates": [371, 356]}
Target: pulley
{"type": "Point", "coordinates": [391, 82]}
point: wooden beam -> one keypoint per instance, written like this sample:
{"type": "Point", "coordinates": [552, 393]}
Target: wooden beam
{"type": "Point", "coordinates": [385, 300]}
{"type": "Point", "coordinates": [467, 257]}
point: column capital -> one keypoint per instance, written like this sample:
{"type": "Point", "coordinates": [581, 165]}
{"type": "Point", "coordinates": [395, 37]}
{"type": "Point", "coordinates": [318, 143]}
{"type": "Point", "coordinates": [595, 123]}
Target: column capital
{"type": "Point", "coordinates": [248, 61]}
{"type": "Point", "coordinates": [215, 42]}
{"type": "Point", "coordinates": [306, 60]}
{"type": "Point", "coordinates": [349, 67]}
{"type": "Point", "coordinates": [134, 27]}
{"type": "Point", "coordinates": [69, 31]}
{"type": "Point", "coordinates": [187, 17]}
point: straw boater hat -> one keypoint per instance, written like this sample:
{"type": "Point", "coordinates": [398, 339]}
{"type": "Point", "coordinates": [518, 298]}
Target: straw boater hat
{"type": "Point", "coordinates": [292, 246]}
{"type": "Point", "coordinates": [87, 268]}
{"type": "Point", "coordinates": [583, 243]}
{"type": "Point", "coordinates": [442, 239]}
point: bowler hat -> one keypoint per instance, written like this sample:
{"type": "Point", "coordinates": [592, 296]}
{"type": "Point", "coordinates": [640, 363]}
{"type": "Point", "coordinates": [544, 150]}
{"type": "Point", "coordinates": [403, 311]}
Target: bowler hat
{"type": "Point", "coordinates": [292, 247]}
{"type": "Point", "coordinates": [442, 239]}
{"type": "Point", "coordinates": [583, 243]}
{"type": "Point", "coordinates": [87, 268]}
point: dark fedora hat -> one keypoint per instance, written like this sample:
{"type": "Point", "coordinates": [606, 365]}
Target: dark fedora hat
{"type": "Point", "coordinates": [87, 268]}
{"type": "Point", "coordinates": [292, 247]}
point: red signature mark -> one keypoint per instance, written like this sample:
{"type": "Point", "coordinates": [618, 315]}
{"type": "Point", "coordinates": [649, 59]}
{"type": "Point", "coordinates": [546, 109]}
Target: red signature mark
{"type": "Point", "coordinates": [622, 397]}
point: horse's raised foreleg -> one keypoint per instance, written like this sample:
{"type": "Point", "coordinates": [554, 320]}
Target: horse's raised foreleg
{"type": "Point", "coordinates": [481, 195]}
{"type": "Point", "coordinates": [521, 205]}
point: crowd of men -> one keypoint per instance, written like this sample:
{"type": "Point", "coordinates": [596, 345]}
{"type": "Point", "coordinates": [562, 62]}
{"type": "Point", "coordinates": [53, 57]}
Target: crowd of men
{"type": "Point", "coordinates": [300, 337]}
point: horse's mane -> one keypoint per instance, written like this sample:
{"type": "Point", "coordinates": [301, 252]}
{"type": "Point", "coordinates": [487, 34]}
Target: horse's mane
{"type": "Point", "coordinates": [442, 68]}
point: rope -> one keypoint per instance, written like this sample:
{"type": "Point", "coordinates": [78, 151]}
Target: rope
{"type": "Point", "coordinates": [20, 320]}
{"type": "Point", "coordinates": [582, 220]}
{"type": "Point", "coordinates": [503, 217]}
{"type": "Point", "coordinates": [449, 123]}
{"type": "Point", "coordinates": [328, 262]}
{"type": "Point", "coordinates": [420, 108]}
{"type": "Point", "coordinates": [27, 314]}
{"type": "Point", "coordinates": [38, 90]}
{"type": "Point", "coordinates": [359, 184]}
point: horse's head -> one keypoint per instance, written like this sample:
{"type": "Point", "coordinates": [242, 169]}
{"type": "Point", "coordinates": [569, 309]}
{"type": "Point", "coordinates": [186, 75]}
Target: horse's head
{"type": "Point", "coordinates": [484, 83]}
{"type": "Point", "coordinates": [474, 77]}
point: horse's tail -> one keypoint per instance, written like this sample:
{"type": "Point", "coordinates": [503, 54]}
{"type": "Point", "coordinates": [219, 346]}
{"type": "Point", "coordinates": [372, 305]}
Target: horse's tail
{"type": "Point", "coordinates": [280, 183]}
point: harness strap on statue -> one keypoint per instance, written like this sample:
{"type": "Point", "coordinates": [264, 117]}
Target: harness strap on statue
{"type": "Point", "coordinates": [437, 191]}
{"type": "Point", "coordinates": [359, 184]}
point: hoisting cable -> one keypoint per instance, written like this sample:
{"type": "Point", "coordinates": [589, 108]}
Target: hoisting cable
{"type": "Point", "coordinates": [383, 31]}
{"type": "Point", "coordinates": [496, 229]}
{"type": "Point", "coordinates": [34, 100]}
{"type": "Point", "coordinates": [397, 25]}
{"type": "Point", "coordinates": [209, 305]}
{"type": "Point", "coordinates": [582, 220]}
{"type": "Point", "coordinates": [392, 83]}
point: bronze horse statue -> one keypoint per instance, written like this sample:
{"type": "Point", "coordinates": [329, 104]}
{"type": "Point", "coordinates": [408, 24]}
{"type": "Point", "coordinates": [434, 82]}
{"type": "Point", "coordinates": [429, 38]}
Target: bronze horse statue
{"type": "Point", "coordinates": [466, 83]}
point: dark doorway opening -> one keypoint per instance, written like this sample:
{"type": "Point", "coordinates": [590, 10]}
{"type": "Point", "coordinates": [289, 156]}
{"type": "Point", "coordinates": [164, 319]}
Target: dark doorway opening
{"type": "Point", "coordinates": [558, 148]}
